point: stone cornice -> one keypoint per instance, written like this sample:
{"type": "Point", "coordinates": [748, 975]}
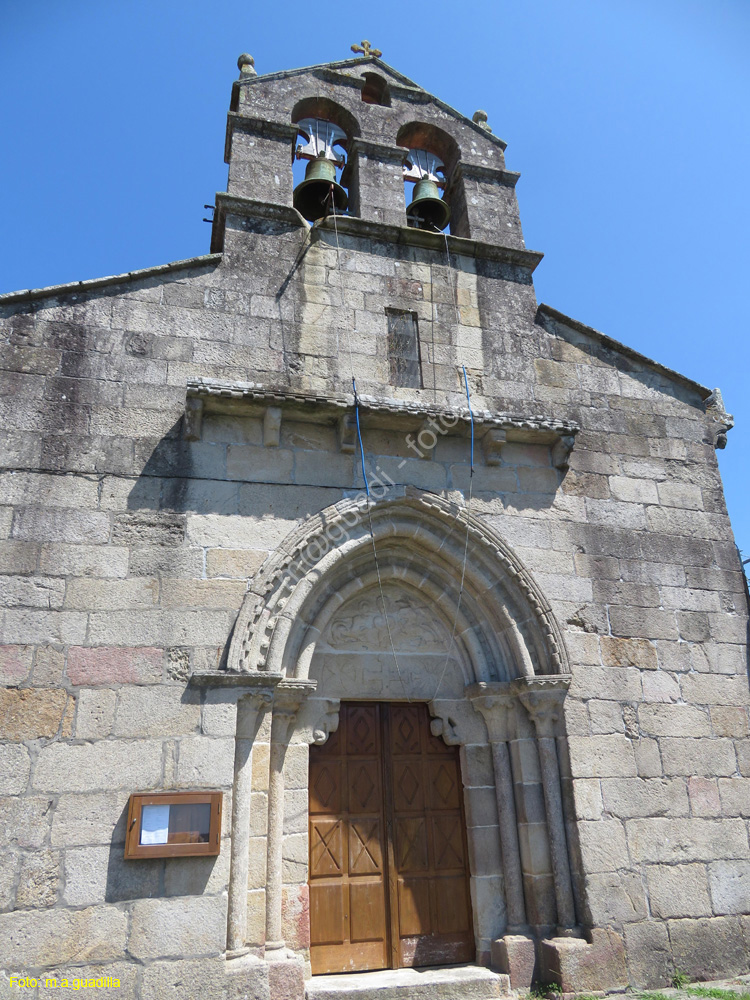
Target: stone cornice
{"type": "Point", "coordinates": [113, 279]}
{"type": "Point", "coordinates": [479, 172]}
{"type": "Point", "coordinates": [547, 312]}
{"type": "Point", "coordinates": [259, 680]}
{"type": "Point", "coordinates": [218, 395]}
{"type": "Point", "coordinates": [350, 225]}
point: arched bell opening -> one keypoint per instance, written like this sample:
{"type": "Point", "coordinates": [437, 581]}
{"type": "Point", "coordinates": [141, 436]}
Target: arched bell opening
{"type": "Point", "coordinates": [376, 90]}
{"type": "Point", "coordinates": [319, 157]}
{"type": "Point", "coordinates": [432, 186]}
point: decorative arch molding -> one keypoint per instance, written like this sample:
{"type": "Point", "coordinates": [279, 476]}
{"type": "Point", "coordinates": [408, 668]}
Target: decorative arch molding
{"type": "Point", "coordinates": [505, 626]}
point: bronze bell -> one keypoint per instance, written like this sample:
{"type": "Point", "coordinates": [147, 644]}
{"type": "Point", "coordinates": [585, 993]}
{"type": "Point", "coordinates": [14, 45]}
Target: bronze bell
{"type": "Point", "coordinates": [313, 196]}
{"type": "Point", "coordinates": [427, 207]}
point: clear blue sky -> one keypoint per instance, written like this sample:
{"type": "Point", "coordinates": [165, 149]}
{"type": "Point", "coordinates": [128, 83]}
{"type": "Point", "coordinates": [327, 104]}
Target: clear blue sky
{"type": "Point", "coordinates": [628, 120]}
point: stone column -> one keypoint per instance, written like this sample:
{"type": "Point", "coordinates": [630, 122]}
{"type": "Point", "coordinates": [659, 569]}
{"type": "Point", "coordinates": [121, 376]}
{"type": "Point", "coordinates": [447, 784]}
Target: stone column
{"type": "Point", "coordinates": [250, 712]}
{"type": "Point", "coordinates": [375, 170]}
{"type": "Point", "coordinates": [494, 702]}
{"type": "Point", "coordinates": [289, 696]}
{"type": "Point", "coordinates": [543, 699]}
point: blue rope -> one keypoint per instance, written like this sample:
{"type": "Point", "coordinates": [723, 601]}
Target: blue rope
{"type": "Point", "coordinates": [359, 435]}
{"type": "Point", "coordinates": [471, 416]}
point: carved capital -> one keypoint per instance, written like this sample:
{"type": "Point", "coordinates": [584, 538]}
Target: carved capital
{"type": "Point", "coordinates": [495, 703]}
{"type": "Point", "coordinates": [543, 698]}
{"type": "Point", "coordinates": [290, 694]}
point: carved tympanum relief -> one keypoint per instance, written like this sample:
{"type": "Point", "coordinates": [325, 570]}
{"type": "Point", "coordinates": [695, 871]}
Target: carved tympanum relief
{"type": "Point", "coordinates": [354, 658]}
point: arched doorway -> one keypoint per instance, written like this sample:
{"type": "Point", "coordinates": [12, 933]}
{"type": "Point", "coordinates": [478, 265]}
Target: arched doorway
{"type": "Point", "coordinates": [486, 660]}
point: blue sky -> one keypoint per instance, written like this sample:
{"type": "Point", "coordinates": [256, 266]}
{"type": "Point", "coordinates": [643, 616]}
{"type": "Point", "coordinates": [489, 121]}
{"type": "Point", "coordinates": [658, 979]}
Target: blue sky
{"type": "Point", "coordinates": [628, 119]}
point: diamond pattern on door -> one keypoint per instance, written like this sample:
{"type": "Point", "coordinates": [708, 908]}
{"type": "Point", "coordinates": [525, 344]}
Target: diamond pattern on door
{"type": "Point", "coordinates": [389, 880]}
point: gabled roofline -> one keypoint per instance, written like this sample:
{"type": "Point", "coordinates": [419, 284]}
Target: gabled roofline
{"type": "Point", "coordinates": [408, 83]}
{"type": "Point", "coordinates": [623, 349]}
{"type": "Point", "coordinates": [28, 294]}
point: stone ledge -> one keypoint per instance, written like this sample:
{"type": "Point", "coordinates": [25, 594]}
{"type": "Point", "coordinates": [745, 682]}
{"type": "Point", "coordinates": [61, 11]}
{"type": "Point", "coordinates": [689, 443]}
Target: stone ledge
{"type": "Point", "coordinates": [494, 429]}
{"type": "Point", "coordinates": [452, 982]}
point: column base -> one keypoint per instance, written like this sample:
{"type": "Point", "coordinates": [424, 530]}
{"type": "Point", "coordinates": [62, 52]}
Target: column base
{"type": "Point", "coordinates": [578, 965]}
{"type": "Point", "coordinates": [515, 955]}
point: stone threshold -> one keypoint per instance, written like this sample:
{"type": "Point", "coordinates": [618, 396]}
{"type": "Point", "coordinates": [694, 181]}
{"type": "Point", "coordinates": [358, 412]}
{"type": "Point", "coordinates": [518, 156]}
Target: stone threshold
{"type": "Point", "coordinates": [448, 982]}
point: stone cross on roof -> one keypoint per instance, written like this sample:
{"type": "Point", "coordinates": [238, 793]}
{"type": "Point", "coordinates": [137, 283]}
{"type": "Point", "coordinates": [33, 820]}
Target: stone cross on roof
{"type": "Point", "coordinates": [366, 50]}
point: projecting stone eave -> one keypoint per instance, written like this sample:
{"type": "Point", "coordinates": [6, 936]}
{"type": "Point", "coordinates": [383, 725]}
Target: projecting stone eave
{"type": "Point", "coordinates": [409, 86]}
{"type": "Point", "coordinates": [544, 310]}
{"type": "Point", "coordinates": [91, 284]}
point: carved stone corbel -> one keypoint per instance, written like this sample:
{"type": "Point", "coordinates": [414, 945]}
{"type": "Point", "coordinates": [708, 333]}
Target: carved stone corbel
{"type": "Point", "coordinates": [492, 445]}
{"type": "Point", "coordinates": [272, 427]}
{"type": "Point", "coordinates": [347, 433]}
{"type": "Point", "coordinates": [193, 420]}
{"type": "Point", "coordinates": [560, 451]}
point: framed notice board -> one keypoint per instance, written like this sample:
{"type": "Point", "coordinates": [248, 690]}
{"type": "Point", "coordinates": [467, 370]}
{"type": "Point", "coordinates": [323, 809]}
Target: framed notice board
{"type": "Point", "coordinates": [173, 825]}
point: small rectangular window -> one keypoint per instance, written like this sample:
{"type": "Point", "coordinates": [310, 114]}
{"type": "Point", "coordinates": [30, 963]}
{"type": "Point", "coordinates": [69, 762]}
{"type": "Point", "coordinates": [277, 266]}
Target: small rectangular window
{"type": "Point", "coordinates": [173, 824]}
{"type": "Point", "coordinates": [403, 349]}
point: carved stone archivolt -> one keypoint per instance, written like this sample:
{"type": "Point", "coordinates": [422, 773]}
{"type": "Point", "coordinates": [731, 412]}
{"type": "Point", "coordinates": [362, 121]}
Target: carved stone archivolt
{"type": "Point", "coordinates": [504, 627]}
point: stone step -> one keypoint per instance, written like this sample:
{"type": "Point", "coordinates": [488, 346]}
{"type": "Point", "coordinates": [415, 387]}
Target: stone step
{"type": "Point", "coordinates": [449, 982]}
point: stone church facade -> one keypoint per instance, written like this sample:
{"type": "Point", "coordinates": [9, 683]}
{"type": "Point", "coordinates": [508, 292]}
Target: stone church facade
{"type": "Point", "coordinates": [463, 648]}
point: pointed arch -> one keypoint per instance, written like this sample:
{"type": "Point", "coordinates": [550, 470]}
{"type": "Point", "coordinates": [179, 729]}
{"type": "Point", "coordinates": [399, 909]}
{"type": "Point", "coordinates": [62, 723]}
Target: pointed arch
{"type": "Point", "coordinates": [505, 627]}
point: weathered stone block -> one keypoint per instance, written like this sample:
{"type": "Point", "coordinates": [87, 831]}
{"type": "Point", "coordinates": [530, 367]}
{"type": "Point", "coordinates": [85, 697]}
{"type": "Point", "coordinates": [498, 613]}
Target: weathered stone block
{"type": "Point", "coordinates": [60, 937]}
{"type": "Point", "coordinates": [205, 762]}
{"type": "Point", "coordinates": [31, 713]}
{"type": "Point", "coordinates": [97, 818]}
{"type": "Point", "coordinates": [162, 711]}
{"type": "Point", "coordinates": [632, 797]}
{"type": "Point", "coordinates": [15, 663]}
{"type": "Point", "coordinates": [96, 766]}
{"type": "Point", "coordinates": [678, 891]}
{"type": "Point", "coordinates": [615, 897]}
{"type": "Point", "coordinates": [515, 955]}
{"type": "Point", "coordinates": [15, 767]}
{"type": "Point", "coordinates": [658, 841]}
{"type": "Point", "coordinates": [704, 797]}
{"type": "Point", "coordinates": [603, 846]}
{"type": "Point", "coordinates": [578, 966]}
{"type": "Point", "coordinates": [95, 713]}
{"type": "Point", "coordinates": [735, 796]}
{"type": "Point", "coordinates": [602, 756]}
{"type": "Point", "coordinates": [98, 976]}
{"type": "Point", "coordinates": [730, 886]}
{"type": "Point", "coordinates": [698, 756]}
{"type": "Point", "coordinates": [628, 653]}
{"type": "Point", "coordinates": [101, 874]}
{"type": "Point", "coordinates": [187, 980]}
{"type": "Point", "coordinates": [708, 948]}
{"type": "Point", "coordinates": [38, 880]}
{"type": "Point", "coordinates": [114, 665]}
{"type": "Point", "coordinates": [648, 953]}
{"type": "Point", "coordinates": [178, 928]}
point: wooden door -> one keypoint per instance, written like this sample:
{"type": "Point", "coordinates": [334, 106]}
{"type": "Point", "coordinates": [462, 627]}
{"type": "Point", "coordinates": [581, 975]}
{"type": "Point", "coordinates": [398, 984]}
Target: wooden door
{"type": "Point", "coordinates": [389, 877]}
{"type": "Point", "coordinates": [348, 927]}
